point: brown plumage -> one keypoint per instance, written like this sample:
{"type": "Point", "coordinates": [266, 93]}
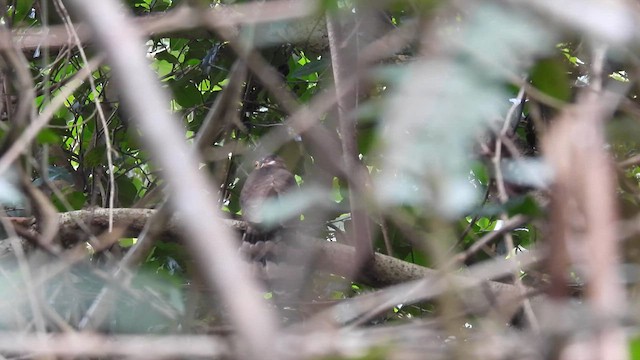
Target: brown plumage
{"type": "Point", "coordinates": [268, 181]}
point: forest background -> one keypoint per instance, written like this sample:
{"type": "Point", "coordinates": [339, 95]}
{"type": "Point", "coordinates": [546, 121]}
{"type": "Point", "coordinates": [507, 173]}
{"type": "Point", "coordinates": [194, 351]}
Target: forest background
{"type": "Point", "coordinates": [469, 176]}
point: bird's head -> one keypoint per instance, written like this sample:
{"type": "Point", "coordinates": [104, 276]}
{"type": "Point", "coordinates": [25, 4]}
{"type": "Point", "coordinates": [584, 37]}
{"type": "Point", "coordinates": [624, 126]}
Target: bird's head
{"type": "Point", "coordinates": [270, 161]}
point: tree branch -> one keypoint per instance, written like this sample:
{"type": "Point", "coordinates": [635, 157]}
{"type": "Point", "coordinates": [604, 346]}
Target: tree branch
{"type": "Point", "coordinates": [343, 62]}
{"type": "Point", "coordinates": [328, 256]}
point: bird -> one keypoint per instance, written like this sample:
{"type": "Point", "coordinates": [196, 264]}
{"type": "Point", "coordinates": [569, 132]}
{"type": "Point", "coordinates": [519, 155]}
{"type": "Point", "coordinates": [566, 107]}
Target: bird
{"type": "Point", "coordinates": [271, 223]}
{"type": "Point", "coordinates": [268, 182]}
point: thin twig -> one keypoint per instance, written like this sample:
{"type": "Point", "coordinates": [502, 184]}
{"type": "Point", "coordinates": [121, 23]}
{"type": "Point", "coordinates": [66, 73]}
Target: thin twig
{"type": "Point", "coordinates": [507, 226]}
{"type": "Point", "coordinates": [502, 195]}
{"type": "Point", "coordinates": [128, 346]}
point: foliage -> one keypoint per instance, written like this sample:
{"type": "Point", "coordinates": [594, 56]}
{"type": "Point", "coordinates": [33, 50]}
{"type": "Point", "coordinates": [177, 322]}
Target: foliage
{"type": "Point", "coordinates": [442, 169]}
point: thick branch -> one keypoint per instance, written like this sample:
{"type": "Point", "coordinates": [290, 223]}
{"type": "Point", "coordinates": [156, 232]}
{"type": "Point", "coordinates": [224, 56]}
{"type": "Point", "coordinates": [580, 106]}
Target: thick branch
{"type": "Point", "coordinates": [190, 22]}
{"type": "Point", "coordinates": [329, 256]}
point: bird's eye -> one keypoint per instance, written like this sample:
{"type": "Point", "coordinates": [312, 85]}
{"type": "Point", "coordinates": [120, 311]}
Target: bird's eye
{"type": "Point", "coordinates": [256, 164]}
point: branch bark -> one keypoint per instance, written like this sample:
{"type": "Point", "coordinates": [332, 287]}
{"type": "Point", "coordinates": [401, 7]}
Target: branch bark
{"type": "Point", "coordinates": [328, 256]}
{"type": "Point", "coordinates": [191, 22]}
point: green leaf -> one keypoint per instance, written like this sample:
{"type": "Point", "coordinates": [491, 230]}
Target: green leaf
{"type": "Point", "coordinates": [127, 191]}
{"type": "Point", "coordinates": [418, 257]}
{"type": "Point", "coordinates": [48, 136]}
{"type": "Point", "coordinates": [95, 156]}
{"type": "Point", "coordinates": [366, 139]}
{"type": "Point", "coordinates": [22, 10]}
{"type": "Point", "coordinates": [168, 57]}
{"type": "Point", "coordinates": [188, 96]}
{"type": "Point", "coordinates": [480, 173]}
{"type": "Point", "coordinates": [525, 205]}
{"type": "Point", "coordinates": [310, 68]}
{"type": "Point", "coordinates": [76, 199]}
{"type": "Point", "coordinates": [485, 224]}
{"type": "Point", "coordinates": [634, 348]}
{"type": "Point", "coordinates": [329, 4]}
{"type": "Point", "coordinates": [127, 242]}
{"type": "Point", "coordinates": [337, 190]}
{"type": "Point", "coordinates": [162, 68]}
{"type": "Point", "coordinates": [551, 77]}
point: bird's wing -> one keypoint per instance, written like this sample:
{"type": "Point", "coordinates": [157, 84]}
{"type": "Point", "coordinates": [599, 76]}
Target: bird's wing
{"type": "Point", "coordinates": [281, 182]}
{"type": "Point", "coordinates": [262, 185]}
{"type": "Point", "coordinates": [252, 196]}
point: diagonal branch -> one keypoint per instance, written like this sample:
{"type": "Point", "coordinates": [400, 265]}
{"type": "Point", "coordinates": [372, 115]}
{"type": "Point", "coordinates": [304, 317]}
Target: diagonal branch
{"type": "Point", "coordinates": [190, 192]}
